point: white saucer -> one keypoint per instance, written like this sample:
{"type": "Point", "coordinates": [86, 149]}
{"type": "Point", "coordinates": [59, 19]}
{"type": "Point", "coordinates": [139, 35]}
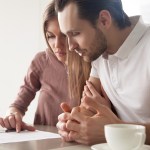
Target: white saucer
{"type": "Point", "coordinates": [104, 146]}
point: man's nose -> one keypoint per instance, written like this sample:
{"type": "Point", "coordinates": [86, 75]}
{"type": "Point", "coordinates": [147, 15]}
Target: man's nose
{"type": "Point", "coordinates": [72, 44]}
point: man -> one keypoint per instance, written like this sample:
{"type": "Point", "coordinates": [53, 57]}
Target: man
{"type": "Point", "coordinates": [100, 30]}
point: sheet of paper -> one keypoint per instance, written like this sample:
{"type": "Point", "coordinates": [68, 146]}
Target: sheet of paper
{"type": "Point", "coordinates": [10, 137]}
{"type": "Point", "coordinates": [76, 147]}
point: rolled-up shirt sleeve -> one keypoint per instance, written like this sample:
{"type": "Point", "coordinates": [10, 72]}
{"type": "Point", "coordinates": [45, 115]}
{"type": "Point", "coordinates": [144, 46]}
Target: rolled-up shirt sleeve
{"type": "Point", "coordinates": [94, 71]}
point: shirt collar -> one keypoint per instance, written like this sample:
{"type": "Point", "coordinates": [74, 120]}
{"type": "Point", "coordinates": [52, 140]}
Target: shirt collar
{"type": "Point", "coordinates": [132, 39]}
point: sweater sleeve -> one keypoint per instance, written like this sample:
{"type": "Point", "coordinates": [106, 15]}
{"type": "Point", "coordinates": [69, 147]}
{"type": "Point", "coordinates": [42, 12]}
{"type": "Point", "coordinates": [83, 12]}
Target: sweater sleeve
{"type": "Point", "coordinates": [31, 83]}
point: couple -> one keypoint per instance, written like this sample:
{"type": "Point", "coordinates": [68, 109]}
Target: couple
{"type": "Point", "coordinates": [118, 47]}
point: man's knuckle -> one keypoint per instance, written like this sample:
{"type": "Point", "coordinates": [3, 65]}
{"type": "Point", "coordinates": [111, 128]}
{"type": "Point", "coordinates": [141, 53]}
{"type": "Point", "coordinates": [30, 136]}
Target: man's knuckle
{"type": "Point", "coordinates": [74, 110]}
{"type": "Point", "coordinates": [68, 124]}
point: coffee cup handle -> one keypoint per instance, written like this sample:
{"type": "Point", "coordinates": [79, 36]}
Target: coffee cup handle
{"type": "Point", "coordinates": [141, 137]}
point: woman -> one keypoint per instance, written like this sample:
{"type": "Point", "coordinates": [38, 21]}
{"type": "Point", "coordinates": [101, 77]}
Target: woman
{"type": "Point", "coordinates": [47, 74]}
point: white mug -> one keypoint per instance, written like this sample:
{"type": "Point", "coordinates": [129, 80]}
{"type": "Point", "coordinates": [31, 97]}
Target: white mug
{"type": "Point", "coordinates": [125, 136]}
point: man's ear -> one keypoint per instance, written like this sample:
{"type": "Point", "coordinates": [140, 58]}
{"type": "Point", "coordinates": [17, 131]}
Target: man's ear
{"type": "Point", "coordinates": [104, 19]}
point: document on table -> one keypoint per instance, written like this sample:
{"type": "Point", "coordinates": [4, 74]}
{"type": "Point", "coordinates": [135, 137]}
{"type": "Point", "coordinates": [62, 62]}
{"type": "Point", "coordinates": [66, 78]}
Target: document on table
{"type": "Point", "coordinates": [10, 137]}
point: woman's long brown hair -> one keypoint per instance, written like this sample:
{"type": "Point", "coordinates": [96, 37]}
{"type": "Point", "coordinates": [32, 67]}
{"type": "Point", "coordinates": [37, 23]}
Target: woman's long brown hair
{"type": "Point", "coordinates": [79, 72]}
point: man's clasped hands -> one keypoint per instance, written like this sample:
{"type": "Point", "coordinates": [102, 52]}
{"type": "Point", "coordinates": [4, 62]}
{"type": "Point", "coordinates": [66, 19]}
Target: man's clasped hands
{"type": "Point", "coordinates": [85, 123]}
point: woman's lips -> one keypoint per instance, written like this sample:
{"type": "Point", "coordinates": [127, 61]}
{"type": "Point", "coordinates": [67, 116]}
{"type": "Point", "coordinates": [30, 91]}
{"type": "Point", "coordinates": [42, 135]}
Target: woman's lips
{"type": "Point", "coordinates": [60, 53]}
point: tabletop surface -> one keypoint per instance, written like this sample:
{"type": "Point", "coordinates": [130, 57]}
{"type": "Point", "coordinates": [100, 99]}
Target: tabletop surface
{"type": "Point", "coordinates": [45, 144]}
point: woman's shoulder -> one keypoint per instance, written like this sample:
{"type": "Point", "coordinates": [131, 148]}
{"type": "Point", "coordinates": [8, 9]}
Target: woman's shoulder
{"type": "Point", "coordinates": [40, 55]}
{"type": "Point", "coordinates": [40, 59]}
{"type": "Point", "coordinates": [43, 56]}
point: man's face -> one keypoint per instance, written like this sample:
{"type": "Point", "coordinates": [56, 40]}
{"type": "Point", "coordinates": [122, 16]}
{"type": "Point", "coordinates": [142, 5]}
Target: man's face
{"type": "Point", "coordinates": [83, 38]}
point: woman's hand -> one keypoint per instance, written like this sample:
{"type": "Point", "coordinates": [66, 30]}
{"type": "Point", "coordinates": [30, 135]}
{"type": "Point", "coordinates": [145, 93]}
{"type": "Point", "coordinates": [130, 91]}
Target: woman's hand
{"type": "Point", "coordinates": [13, 120]}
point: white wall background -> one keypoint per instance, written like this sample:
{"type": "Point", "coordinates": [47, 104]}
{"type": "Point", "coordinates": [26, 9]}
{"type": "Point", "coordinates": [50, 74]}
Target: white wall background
{"type": "Point", "coordinates": [137, 7]}
{"type": "Point", "coordinates": [21, 38]}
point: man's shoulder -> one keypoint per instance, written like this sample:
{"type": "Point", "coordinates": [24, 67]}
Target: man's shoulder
{"type": "Point", "coordinates": [97, 61]}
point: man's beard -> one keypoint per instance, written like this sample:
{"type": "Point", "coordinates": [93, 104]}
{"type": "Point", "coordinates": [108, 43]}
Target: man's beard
{"type": "Point", "coordinates": [98, 46]}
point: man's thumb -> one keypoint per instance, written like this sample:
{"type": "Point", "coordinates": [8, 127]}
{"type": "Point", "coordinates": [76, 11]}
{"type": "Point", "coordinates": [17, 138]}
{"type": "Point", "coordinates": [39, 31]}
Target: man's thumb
{"type": "Point", "coordinates": [65, 107]}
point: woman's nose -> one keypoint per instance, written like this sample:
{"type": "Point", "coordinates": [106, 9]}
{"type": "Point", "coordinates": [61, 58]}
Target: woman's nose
{"type": "Point", "coordinates": [58, 43]}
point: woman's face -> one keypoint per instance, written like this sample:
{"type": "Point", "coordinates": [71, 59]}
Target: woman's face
{"type": "Point", "coordinates": [56, 40]}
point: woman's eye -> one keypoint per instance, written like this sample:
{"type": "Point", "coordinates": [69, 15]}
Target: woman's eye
{"type": "Point", "coordinates": [50, 36]}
